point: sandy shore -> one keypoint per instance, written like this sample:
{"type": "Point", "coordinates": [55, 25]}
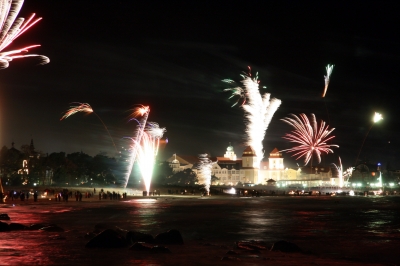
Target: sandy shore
{"type": "Point", "coordinates": [206, 241]}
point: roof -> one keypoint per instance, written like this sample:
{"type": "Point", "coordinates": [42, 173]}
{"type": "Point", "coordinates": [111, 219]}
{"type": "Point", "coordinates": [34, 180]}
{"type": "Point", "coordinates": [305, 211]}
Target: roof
{"type": "Point", "coordinates": [275, 154]}
{"type": "Point", "coordinates": [227, 160]}
{"type": "Point", "coordinates": [249, 152]}
{"type": "Point", "coordinates": [275, 151]}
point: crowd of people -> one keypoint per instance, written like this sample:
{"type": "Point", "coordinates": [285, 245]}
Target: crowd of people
{"type": "Point", "coordinates": [22, 195]}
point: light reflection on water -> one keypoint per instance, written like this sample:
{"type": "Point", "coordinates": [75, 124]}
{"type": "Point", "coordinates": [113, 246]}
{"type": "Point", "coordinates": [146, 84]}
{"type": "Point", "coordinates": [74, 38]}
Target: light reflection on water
{"type": "Point", "coordinates": [343, 225]}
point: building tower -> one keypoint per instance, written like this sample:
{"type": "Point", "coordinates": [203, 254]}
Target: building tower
{"type": "Point", "coordinates": [230, 153]}
{"type": "Point", "coordinates": [275, 160]}
{"type": "Point", "coordinates": [250, 165]}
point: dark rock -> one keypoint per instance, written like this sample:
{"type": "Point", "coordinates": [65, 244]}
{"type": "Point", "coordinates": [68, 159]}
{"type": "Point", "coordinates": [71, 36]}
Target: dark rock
{"type": "Point", "coordinates": [230, 258]}
{"type": "Point", "coordinates": [170, 237]}
{"type": "Point", "coordinates": [90, 235]}
{"type": "Point", "coordinates": [251, 245]}
{"type": "Point", "coordinates": [285, 246]}
{"type": "Point", "coordinates": [133, 236]}
{"type": "Point", "coordinates": [4, 216]}
{"type": "Point", "coordinates": [52, 228]}
{"type": "Point", "coordinates": [231, 252]}
{"type": "Point", "coordinates": [4, 227]}
{"type": "Point", "coordinates": [101, 227]}
{"type": "Point", "coordinates": [17, 226]}
{"type": "Point", "coordinates": [140, 247]}
{"type": "Point", "coordinates": [107, 239]}
{"type": "Point", "coordinates": [36, 226]}
{"type": "Point", "coordinates": [160, 249]}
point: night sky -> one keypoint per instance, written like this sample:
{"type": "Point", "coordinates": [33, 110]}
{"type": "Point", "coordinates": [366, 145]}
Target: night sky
{"type": "Point", "coordinates": [172, 56]}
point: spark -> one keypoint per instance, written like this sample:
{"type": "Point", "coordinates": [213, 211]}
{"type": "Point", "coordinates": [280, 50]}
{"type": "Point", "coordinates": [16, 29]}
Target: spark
{"type": "Point", "coordinates": [80, 108]}
{"type": "Point", "coordinates": [205, 168]}
{"type": "Point", "coordinates": [340, 172]}
{"type": "Point", "coordinates": [329, 69]}
{"type": "Point", "coordinates": [259, 110]}
{"type": "Point", "coordinates": [147, 150]}
{"type": "Point", "coordinates": [11, 27]}
{"type": "Point", "coordinates": [142, 111]}
{"type": "Point", "coordinates": [348, 173]}
{"type": "Point", "coordinates": [157, 132]}
{"type": "Point", "coordinates": [310, 138]}
{"type": "Point", "coordinates": [86, 108]}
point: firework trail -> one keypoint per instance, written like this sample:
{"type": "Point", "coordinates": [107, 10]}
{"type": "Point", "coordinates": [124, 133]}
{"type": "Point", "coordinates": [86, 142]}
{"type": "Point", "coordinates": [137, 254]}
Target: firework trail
{"type": "Point", "coordinates": [157, 132]}
{"type": "Point", "coordinates": [86, 108]}
{"type": "Point", "coordinates": [329, 69]}
{"type": "Point", "coordinates": [348, 173]}
{"type": "Point", "coordinates": [147, 150]}
{"type": "Point", "coordinates": [142, 111]}
{"type": "Point", "coordinates": [236, 91]}
{"type": "Point", "coordinates": [377, 117]}
{"type": "Point", "coordinates": [340, 172]}
{"type": "Point", "coordinates": [259, 111]}
{"type": "Point", "coordinates": [204, 175]}
{"type": "Point", "coordinates": [309, 137]}
{"type": "Point", "coordinates": [80, 108]}
{"type": "Point", "coordinates": [11, 28]}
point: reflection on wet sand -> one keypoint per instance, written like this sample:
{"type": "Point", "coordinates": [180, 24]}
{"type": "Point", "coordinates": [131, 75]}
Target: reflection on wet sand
{"type": "Point", "coordinates": [365, 229]}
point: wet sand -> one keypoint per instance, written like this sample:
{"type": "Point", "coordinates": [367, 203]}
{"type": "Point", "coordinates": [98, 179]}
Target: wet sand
{"type": "Point", "coordinates": [330, 230]}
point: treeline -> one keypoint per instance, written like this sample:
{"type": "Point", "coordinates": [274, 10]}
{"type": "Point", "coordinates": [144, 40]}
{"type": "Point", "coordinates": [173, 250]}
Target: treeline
{"type": "Point", "coordinates": [27, 166]}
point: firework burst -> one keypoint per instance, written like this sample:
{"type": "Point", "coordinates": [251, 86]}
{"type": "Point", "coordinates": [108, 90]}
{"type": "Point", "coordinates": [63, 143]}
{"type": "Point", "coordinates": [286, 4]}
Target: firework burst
{"type": "Point", "coordinates": [87, 109]}
{"type": "Point", "coordinates": [309, 137]}
{"type": "Point", "coordinates": [11, 28]}
{"type": "Point", "coordinates": [205, 168]}
{"type": "Point", "coordinates": [259, 110]}
{"type": "Point", "coordinates": [147, 150]}
{"type": "Point", "coordinates": [329, 69]}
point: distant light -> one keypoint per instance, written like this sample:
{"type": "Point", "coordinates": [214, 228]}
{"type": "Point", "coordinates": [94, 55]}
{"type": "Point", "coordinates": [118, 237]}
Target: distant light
{"type": "Point", "coordinates": [391, 184]}
{"type": "Point", "coordinates": [231, 191]}
{"type": "Point", "coordinates": [377, 117]}
{"type": "Point", "coordinates": [34, 184]}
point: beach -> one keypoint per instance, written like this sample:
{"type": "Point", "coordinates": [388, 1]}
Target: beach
{"type": "Point", "coordinates": [328, 230]}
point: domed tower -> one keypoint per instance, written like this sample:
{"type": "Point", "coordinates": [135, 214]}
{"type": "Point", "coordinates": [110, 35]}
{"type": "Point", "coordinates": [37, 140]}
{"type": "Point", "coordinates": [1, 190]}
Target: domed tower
{"type": "Point", "coordinates": [230, 153]}
{"type": "Point", "coordinates": [175, 164]}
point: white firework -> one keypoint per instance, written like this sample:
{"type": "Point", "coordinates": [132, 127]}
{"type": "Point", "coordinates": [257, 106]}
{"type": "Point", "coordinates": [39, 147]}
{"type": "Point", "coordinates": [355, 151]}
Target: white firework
{"type": "Point", "coordinates": [259, 110]}
{"type": "Point", "coordinates": [348, 173]}
{"type": "Point", "coordinates": [329, 69]}
{"type": "Point", "coordinates": [205, 168]}
{"type": "Point", "coordinates": [340, 172]}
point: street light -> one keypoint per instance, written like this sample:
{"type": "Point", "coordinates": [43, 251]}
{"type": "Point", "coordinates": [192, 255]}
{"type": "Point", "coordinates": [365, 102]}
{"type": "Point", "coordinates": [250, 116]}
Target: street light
{"type": "Point", "coordinates": [377, 117]}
